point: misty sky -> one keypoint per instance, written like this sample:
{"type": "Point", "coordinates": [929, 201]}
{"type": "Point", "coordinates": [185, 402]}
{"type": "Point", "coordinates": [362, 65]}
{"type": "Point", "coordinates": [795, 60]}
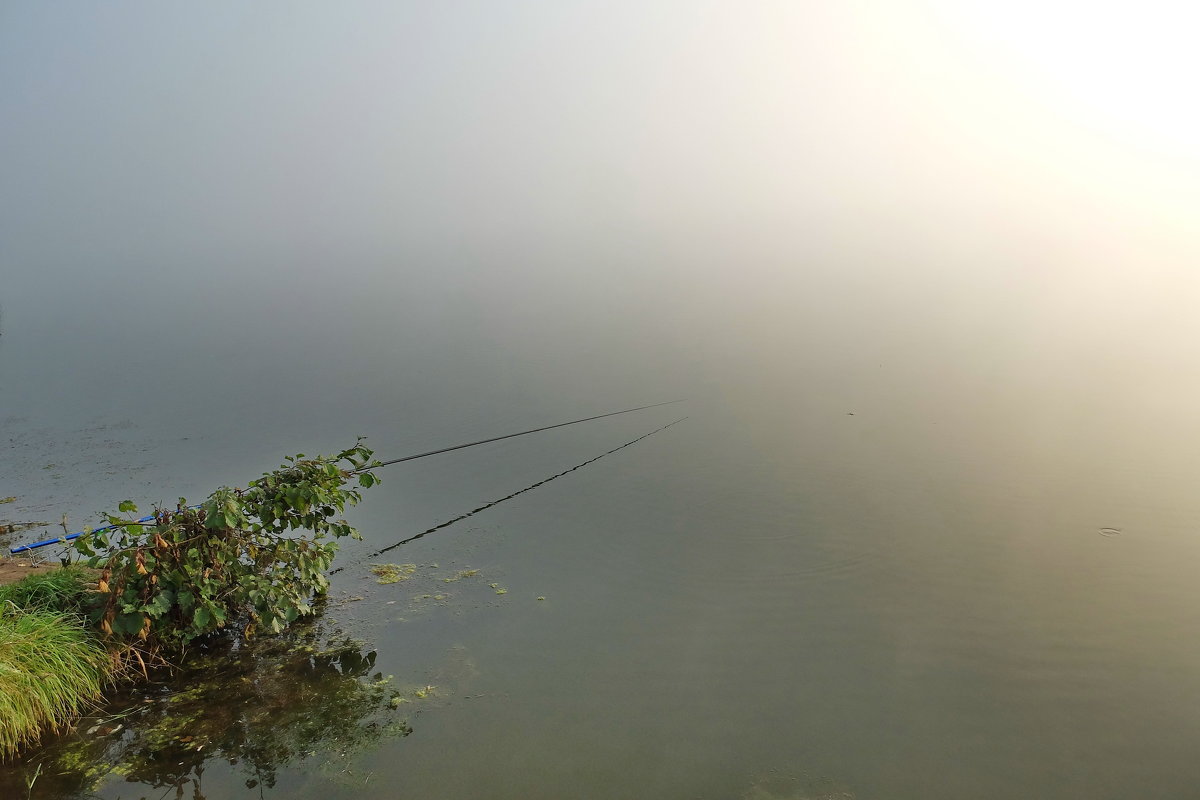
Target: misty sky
{"type": "Point", "coordinates": [680, 156]}
{"type": "Point", "coordinates": [139, 125]}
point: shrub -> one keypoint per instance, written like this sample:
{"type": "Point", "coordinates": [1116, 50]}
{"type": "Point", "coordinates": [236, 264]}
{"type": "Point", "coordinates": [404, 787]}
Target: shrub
{"type": "Point", "coordinates": [252, 556]}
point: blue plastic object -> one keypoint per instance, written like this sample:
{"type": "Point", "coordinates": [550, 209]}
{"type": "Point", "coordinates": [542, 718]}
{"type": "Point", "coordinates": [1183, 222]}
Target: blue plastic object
{"type": "Point", "coordinates": [70, 536]}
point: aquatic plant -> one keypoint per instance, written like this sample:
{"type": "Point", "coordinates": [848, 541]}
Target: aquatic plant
{"type": "Point", "coordinates": [392, 573]}
{"type": "Point", "coordinates": [51, 667]}
{"type": "Point", "coordinates": [250, 557]}
{"type": "Point", "coordinates": [462, 573]}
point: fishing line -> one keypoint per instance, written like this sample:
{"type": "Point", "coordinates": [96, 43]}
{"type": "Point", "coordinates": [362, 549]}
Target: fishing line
{"type": "Point", "coordinates": [511, 435]}
{"type": "Point", "coordinates": [475, 511]}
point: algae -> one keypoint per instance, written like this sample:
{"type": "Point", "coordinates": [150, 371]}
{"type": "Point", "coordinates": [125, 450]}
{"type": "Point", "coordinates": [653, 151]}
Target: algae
{"type": "Point", "coordinates": [462, 573]}
{"type": "Point", "coordinates": [392, 573]}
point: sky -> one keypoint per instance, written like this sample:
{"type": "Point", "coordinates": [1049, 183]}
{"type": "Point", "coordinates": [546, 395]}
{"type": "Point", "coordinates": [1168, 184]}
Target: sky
{"type": "Point", "coordinates": [267, 124]}
{"type": "Point", "coordinates": [748, 163]}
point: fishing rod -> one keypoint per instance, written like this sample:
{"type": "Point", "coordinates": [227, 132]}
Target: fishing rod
{"type": "Point", "coordinates": [486, 506]}
{"type": "Point", "coordinates": [69, 537]}
{"type": "Point", "coordinates": [522, 433]}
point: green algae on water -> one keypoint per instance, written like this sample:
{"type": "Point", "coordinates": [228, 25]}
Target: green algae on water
{"type": "Point", "coordinates": [462, 573]}
{"type": "Point", "coordinates": [392, 573]}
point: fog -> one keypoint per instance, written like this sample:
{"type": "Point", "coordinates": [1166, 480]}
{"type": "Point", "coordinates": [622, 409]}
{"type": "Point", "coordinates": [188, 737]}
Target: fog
{"type": "Point", "coordinates": [739, 199]}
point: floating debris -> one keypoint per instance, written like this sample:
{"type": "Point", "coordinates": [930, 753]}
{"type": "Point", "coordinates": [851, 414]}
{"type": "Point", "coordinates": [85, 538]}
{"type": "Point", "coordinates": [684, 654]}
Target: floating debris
{"type": "Point", "coordinates": [13, 527]}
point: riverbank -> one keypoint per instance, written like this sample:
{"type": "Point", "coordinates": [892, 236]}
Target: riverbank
{"type": "Point", "coordinates": [15, 569]}
{"type": "Point", "coordinates": [168, 580]}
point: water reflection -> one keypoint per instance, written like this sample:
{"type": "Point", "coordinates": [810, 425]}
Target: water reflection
{"type": "Point", "coordinates": [312, 697]}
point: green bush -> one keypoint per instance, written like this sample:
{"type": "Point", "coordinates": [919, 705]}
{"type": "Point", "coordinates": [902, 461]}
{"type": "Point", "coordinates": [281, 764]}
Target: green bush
{"type": "Point", "coordinates": [253, 556]}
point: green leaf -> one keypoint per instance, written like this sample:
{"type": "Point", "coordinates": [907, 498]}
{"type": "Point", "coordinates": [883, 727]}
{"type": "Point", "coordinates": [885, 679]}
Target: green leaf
{"type": "Point", "coordinates": [127, 505]}
{"type": "Point", "coordinates": [161, 604]}
{"type": "Point", "coordinates": [129, 623]}
{"type": "Point", "coordinates": [201, 618]}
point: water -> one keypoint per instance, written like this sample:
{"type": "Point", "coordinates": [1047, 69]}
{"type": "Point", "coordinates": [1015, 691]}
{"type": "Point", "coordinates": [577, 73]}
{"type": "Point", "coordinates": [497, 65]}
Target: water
{"type": "Point", "coordinates": [872, 582]}
{"type": "Point", "coordinates": [928, 530]}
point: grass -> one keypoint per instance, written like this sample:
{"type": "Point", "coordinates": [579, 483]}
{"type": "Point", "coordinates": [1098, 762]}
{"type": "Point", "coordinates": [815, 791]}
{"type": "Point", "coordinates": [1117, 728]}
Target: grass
{"type": "Point", "coordinates": [61, 590]}
{"type": "Point", "coordinates": [51, 665]}
{"type": "Point", "coordinates": [51, 668]}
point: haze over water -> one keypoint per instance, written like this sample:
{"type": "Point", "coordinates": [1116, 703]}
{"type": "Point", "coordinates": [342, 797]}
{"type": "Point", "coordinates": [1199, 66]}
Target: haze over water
{"type": "Point", "coordinates": [925, 274]}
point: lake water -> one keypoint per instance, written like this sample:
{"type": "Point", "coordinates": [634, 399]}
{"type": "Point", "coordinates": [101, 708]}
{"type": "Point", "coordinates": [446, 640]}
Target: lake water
{"type": "Point", "coordinates": [900, 547]}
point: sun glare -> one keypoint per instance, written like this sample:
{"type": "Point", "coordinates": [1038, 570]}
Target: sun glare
{"type": "Point", "coordinates": [1123, 70]}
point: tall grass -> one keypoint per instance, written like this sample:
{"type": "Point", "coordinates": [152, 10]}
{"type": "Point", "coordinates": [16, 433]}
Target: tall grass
{"type": "Point", "coordinates": [59, 590]}
{"type": "Point", "coordinates": [51, 666]}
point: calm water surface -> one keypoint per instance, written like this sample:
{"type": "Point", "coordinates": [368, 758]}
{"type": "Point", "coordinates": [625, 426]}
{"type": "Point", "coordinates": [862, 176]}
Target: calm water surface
{"type": "Point", "coordinates": [869, 564]}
